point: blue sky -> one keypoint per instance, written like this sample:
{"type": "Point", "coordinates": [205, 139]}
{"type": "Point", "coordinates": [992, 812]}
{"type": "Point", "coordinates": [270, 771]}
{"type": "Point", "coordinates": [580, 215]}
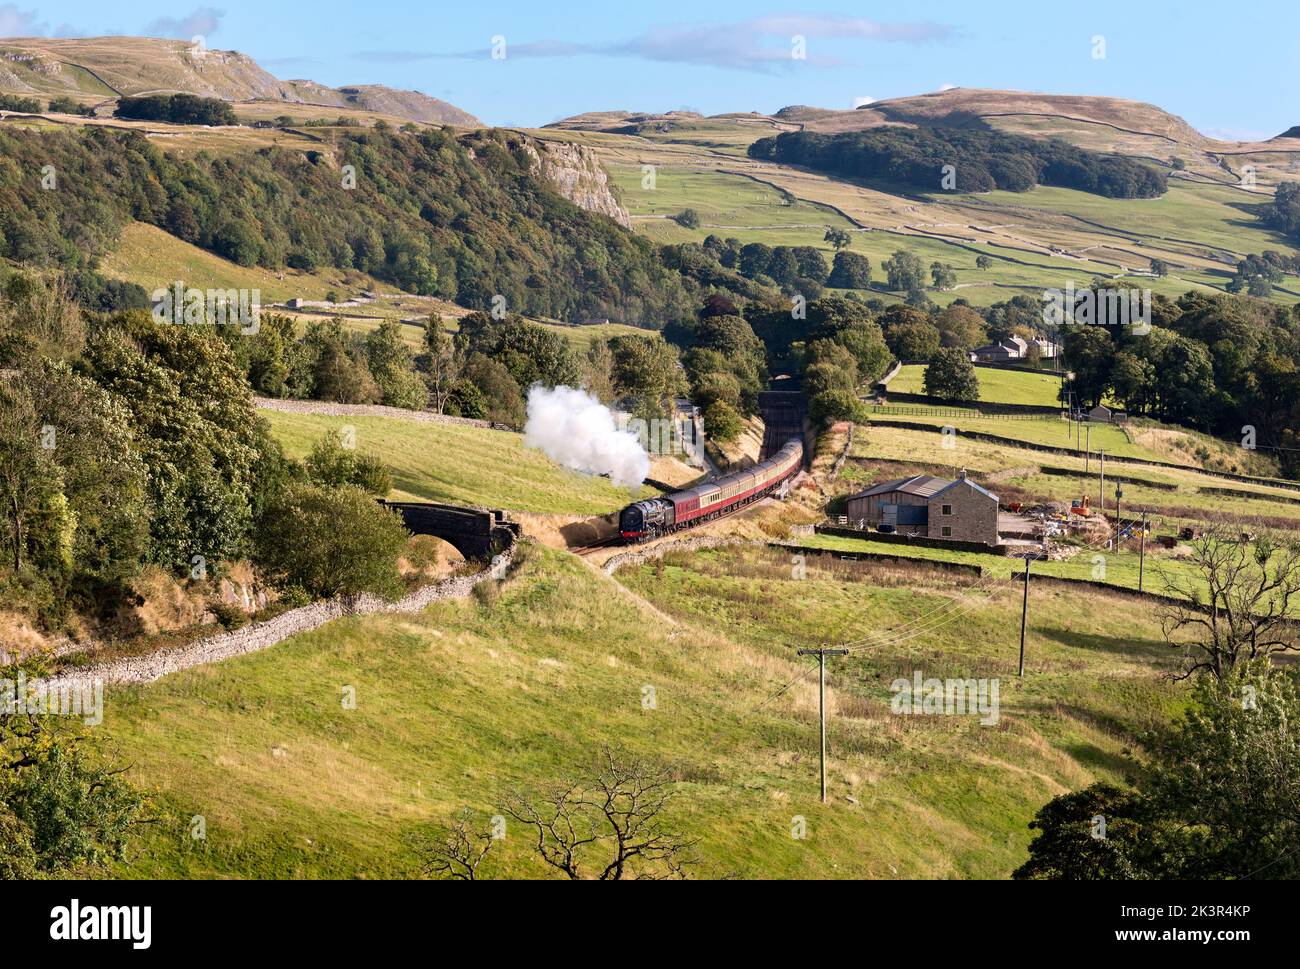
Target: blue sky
{"type": "Point", "coordinates": [1229, 70]}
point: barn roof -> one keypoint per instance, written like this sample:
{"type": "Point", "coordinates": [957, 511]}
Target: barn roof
{"type": "Point", "coordinates": [972, 484]}
{"type": "Point", "coordinates": [921, 485]}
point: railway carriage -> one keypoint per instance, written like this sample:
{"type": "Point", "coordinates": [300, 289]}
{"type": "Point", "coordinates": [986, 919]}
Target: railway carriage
{"type": "Point", "coordinates": [695, 506]}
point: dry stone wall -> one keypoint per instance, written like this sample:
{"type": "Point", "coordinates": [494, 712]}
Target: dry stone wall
{"type": "Point", "coordinates": [262, 635]}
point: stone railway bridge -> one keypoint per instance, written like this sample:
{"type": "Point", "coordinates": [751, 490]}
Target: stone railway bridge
{"type": "Point", "coordinates": [474, 532]}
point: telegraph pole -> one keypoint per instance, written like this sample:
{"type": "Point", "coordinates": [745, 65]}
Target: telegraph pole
{"type": "Point", "coordinates": [1087, 453]}
{"type": "Point", "coordinates": [821, 655]}
{"type": "Point", "coordinates": [1142, 554]}
{"type": "Point", "coordinates": [1101, 491]}
{"type": "Point", "coordinates": [1024, 618]}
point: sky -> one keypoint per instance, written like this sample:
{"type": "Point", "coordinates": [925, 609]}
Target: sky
{"type": "Point", "coordinates": [1230, 70]}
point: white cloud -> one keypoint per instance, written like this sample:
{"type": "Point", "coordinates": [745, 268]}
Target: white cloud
{"type": "Point", "coordinates": [20, 23]}
{"type": "Point", "coordinates": [863, 101]}
{"type": "Point", "coordinates": [762, 44]}
{"type": "Point", "coordinates": [947, 87]}
{"type": "Point", "coordinates": [200, 22]}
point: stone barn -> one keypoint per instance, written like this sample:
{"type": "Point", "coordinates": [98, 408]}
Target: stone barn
{"type": "Point", "coordinates": [964, 512]}
{"type": "Point", "coordinates": [929, 507]}
{"type": "Point", "coordinates": [902, 504]}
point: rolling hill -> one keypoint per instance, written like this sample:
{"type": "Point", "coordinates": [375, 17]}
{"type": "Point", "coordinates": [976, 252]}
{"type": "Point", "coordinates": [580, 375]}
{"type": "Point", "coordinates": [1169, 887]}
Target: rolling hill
{"type": "Point", "coordinates": [101, 68]}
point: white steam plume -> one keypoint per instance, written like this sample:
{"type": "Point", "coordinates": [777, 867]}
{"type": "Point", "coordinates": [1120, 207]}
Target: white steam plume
{"type": "Point", "coordinates": [574, 429]}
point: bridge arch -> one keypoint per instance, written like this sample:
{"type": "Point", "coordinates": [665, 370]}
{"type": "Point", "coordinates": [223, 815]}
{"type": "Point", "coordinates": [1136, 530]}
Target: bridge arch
{"type": "Point", "coordinates": [474, 532]}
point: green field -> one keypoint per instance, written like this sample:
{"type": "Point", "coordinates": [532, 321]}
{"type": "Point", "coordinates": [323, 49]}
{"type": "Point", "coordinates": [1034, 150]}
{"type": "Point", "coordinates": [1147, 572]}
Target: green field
{"type": "Point", "coordinates": [462, 701]}
{"type": "Point", "coordinates": [1215, 216]}
{"type": "Point", "coordinates": [996, 386]}
{"type": "Point", "coordinates": [1049, 431]}
{"type": "Point", "coordinates": [1098, 565]}
{"type": "Point", "coordinates": [461, 465]}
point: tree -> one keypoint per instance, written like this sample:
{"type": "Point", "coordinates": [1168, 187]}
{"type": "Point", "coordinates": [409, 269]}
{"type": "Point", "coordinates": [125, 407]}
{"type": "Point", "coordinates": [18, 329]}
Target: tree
{"type": "Point", "coordinates": [838, 238]}
{"type": "Point", "coordinates": [332, 464]}
{"type": "Point", "coordinates": [836, 405]}
{"type": "Point", "coordinates": [330, 542]}
{"type": "Point", "coordinates": [688, 219]}
{"type": "Point", "coordinates": [943, 276]}
{"type": "Point", "coordinates": [913, 342]}
{"type": "Point", "coordinates": [1239, 600]}
{"type": "Point", "coordinates": [500, 398]}
{"type": "Point", "coordinates": [193, 420]}
{"type": "Point", "coordinates": [1095, 833]}
{"type": "Point", "coordinates": [850, 271]}
{"type": "Point", "coordinates": [440, 364]}
{"type": "Point", "coordinates": [906, 272]}
{"type": "Point", "coordinates": [649, 370]}
{"type": "Point", "coordinates": [393, 367]}
{"type": "Point", "coordinates": [457, 854]}
{"type": "Point", "coordinates": [722, 421]}
{"type": "Point", "coordinates": [28, 474]}
{"type": "Point", "coordinates": [1159, 267]}
{"type": "Point", "coordinates": [983, 262]}
{"type": "Point", "coordinates": [39, 318]}
{"type": "Point", "coordinates": [1218, 799]}
{"type": "Point", "coordinates": [951, 376]}
{"type": "Point", "coordinates": [961, 326]}
{"type": "Point", "coordinates": [607, 824]}
{"type": "Point", "coordinates": [1227, 779]}
{"type": "Point", "coordinates": [62, 807]}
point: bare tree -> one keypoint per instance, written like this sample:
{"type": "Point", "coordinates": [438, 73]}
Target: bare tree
{"type": "Point", "coordinates": [1239, 601]}
{"type": "Point", "coordinates": [460, 852]}
{"type": "Point", "coordinates": [607, 826]}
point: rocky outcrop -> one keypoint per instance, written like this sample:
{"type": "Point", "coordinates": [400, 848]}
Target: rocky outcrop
{"type": "Point", "coordinates": [574, 172]}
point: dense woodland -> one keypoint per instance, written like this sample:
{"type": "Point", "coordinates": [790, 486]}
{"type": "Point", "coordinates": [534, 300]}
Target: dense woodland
{"type": "Point", "coordinates": [981, 161]}
{"type": "Point", "coordinates": [460, 219]}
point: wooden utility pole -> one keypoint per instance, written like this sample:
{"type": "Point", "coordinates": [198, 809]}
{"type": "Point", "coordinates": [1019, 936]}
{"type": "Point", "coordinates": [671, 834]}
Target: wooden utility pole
{"type": "Point", "coordinates": [1142, 554]}
{"type": "Point", "coordinates": [1087, 453]}
{"type": "Point", "coordinates": [1024, 618]}
{"type": "Point", "coordinates": [1101, 491]}
{"type": "Point", "coordinates": [821, 655]}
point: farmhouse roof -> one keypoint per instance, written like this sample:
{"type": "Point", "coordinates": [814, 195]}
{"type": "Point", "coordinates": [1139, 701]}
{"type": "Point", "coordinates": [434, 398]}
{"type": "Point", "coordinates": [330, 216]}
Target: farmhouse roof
{"type": "Point", "coordinates": [963, 480]}
{"type": "Point", "coordinates": [921, 485]}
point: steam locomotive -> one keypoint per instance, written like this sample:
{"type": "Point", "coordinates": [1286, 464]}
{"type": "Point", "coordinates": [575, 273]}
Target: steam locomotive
{"type": "Point", "coordinates": [686, 509]}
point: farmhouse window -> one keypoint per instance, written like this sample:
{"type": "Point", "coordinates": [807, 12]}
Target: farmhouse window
{"type": "Point", "coordinates": [947, 509]}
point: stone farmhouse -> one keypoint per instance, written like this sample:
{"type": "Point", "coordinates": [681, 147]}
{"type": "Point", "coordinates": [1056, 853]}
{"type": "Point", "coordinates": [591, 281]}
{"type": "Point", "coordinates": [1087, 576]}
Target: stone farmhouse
{"type": "Point", "coordinates": [929, 507]}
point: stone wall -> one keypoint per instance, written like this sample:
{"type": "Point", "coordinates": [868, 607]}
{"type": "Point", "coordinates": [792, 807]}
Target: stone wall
{"type": "Point", "coordinates": [369, 410]}
{"type": "Point", "coordinates": [262, 635]}
{"type": "Point", "coordinates": [641, 556]}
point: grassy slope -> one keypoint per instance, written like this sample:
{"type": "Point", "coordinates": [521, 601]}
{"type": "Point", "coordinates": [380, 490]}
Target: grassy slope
{"type": "Point", "coordinates": [1050, 431]}
{"type": "Point", "coordinates": [459, 464]}
{"type": "Point", "coordinates": [1097, 565]}
{"type": "Point", "coordinates": [458, 703]}
{"type": "Point", "coordinates": [696, 167]}
{"type": "Point", "coordinates": [152, 258]}
{"type": "Point", "coordinates": [926, 447]}
{"type": "Point", "coordinates": [996, 386]}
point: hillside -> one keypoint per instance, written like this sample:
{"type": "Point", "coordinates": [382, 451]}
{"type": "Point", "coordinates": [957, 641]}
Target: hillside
{"type": "Point", "coordinates": [1200, 229]}
{"type": "Point", "coordinates": [101, 68]}
{"type": "Point", "coordinates": [464, 701]}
